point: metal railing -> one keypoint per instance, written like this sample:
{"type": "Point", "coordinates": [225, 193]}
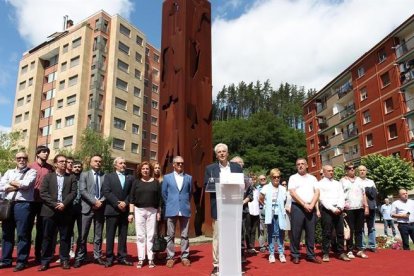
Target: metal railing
{"type": "Point", "coordinates": [349, 133]}
{"type": "Point", "coordinates": [405, 47]}
{"type": "Point", "coordinates": [410, 105]}
{"type": "Point", "coordinates": [350, 110]}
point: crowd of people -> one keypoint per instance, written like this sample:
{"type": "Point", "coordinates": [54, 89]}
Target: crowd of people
{"type": "Point", "coordinates": [52, 199]}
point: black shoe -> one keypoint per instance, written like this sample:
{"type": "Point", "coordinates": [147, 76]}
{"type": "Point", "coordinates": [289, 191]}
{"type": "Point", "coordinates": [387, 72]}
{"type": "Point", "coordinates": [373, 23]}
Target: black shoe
{"type": "Point", "coordinates": [295, 260]}
{"type": "Point", "coordinates": [99, 261]}
{"type": "Point", "coordinates": [215, 271]}
{"type": "Point", "coordinates": [4, 265]}
{"type": "Point", "coordinates": [77, 264]}
{"type": "Point", "coordinates": [109, 264]}
{"type": "Point", "coordinates": [65, 265]}
{"type": "Point", "coordinates": [125, 262]}
{"type": "Point", "coordinates": [19, 267]}
{"type": "Point", "coordinates": [43, 267]}
{"type": "Point", "coordinates": [314, 260]}
{"type": "Point", "coordinates": [374, 250]}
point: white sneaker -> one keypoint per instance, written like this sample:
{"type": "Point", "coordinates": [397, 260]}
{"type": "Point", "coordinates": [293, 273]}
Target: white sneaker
{"type": "Point", "coordinates": [272, 259]}
{"type": "Point", "coordinates": [350, 255]}
{"type": "Point", "coordinates": [72, 254]}
{"type": "Point", "coordinates": [282, 258]}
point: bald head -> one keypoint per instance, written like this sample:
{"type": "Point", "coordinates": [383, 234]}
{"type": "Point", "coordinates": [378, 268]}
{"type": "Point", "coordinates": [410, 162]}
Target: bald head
{"type": "Point", "coordinates": [328, 171]}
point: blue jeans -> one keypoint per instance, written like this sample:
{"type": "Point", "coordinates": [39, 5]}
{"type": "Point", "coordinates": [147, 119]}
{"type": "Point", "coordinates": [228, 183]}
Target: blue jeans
{"type": "Point", "coordinates": [274, 233]}
{"type": "Point", "coordinates": [370, 220]}
{"type": "Point", "coordinates": [19, 222]}
{"type": "Point", "coordinates": [389, 223]}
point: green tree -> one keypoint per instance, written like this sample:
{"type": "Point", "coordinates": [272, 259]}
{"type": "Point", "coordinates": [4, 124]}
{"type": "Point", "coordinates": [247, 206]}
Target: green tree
{"type": "Point", "coordinates": [9, 145]}
{"type": "Point", "coordinates": [91, 143]}
{"type": "Point", "coordinates": [390, 173]}
{"type": "Point", "coordinates": [339, 172]}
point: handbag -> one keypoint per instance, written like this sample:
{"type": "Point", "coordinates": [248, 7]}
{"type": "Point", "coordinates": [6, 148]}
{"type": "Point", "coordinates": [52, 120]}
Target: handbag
{"type": "Point", "coordinates": [160, 244]}
{"type": "Point", "coordinates": [347, 231]}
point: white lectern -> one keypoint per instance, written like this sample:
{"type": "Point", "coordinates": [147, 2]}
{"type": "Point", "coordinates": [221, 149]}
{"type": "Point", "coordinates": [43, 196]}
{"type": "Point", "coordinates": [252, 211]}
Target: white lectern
{"type": "Point", "coordinates": [229, 194]}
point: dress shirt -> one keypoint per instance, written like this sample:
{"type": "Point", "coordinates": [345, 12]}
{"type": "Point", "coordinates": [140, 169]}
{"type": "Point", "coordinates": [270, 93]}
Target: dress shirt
{"type": "Point", "coordinates": [225, 169]}
{"type": "Point", "coordinates": [304, 186]}
{"type": "Point", "coordinates": [179, 179]}
{"type": "Point", "coordinates": [254, 208]}
{"type": "Point", "coordinates": [331, 194]}
{"type": "Point", "coordinates": [400, 207]}
{"type": "Point", "coordinates": [60, 180]}
{"type": "Point", "coordinates": [386, 211]}
{"type": "Point", "coordinates": [25, 191]}
{"type": "Point", "coordinates": [121, 177]}
{"type": "Point", "coordinates": [354, 193]}
{"type": "Point", "coordinates": [367, 183]}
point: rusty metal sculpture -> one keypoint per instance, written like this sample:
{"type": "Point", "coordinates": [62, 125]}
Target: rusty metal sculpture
{"type": "Point", "coordinates": [185, 93]}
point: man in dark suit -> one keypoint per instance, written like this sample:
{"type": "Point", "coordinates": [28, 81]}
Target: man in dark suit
{"type": "Point", "coordinates": [93, 207]}
{"type": "Point", "coordinates": [176, 192]}
{"type": "Point", "coordinates": [213, 171]}
{"type": "Point", "coordinates": [116, 188]}
{"type": "Point", "coordinates": [58, 190]}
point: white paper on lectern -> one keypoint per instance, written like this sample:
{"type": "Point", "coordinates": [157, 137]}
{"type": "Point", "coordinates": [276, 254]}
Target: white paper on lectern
{"type": "Point", "coordinates": [229, 193]}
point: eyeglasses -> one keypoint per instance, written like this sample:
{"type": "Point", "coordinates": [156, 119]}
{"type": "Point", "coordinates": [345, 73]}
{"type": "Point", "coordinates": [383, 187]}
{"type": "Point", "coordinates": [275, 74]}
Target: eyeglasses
{"type": "Point", "coordinates": [179, 163]}
{"type": "Point", "coordinates": [262, 179]}
{"type": "Point", "coordinates": [21, 158]}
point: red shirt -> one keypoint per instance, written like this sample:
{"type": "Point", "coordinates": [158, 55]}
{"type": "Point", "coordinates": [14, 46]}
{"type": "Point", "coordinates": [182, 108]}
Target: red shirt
{"type": "Point", "coordinates": [42, 171]}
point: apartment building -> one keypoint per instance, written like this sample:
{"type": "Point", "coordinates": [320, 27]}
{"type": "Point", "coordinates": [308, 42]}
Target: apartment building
{"type": "Point", "coordinates": [368, 108]}
{"type": "Point", "coordinates": [99, 74]}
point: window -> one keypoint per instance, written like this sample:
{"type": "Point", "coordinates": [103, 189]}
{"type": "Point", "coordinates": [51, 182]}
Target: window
{"type": "Point", "coordinates": [144, 134]}
{"type": "Point", "coordinates": [76, 43]}
{"type": "Point", "coordinates": [123, 48]}
{"type": "Point", "coordinates": [22, 85]}
{"type": "Point", "coordinates": [136, 110]}
{"type": "Point", "coordinates": [51, 77]}
{"type": "Point", "coordinates": [46, 130]}
{"type": "Point", "coordinates": [135, 129]}
{"type": "Point", "coordinates": [385, 79]}
{"type": "Point", "coordinates": [65, 48]}
{"type": "Point", "coordinates": [28, 98]}
{"type": "Point", "coordinates": [24, 133]}
{"type": "Point", "coordinates": [313, 162]}
{"type": "Point", "coordinates": [18, 119]}
{"type": "Point", "coordinates": [73, 80]}
{"type": "Point", "coordinates": [70, 120]}
{"type": "Point", "coordinates": [134, 148]}
{"type": "Point", "coordinates": [58, 124]}
{"type": "Point", "coordinates": [156, 58]}
{"type": "Point", "coordinates": [60, 103]}
{"type": "Point", "coordinates": [74, 61]}
{"type": "Point", "coordinates": [392, 131]}
{"type": "Point", "coordinates": [20, 101]}
{"type": "Point", "coordinates": [388, 105]}
{"type": "Point", "coordinates": [139, 40]}
{"type": "Point", "coordinates": [153, 155]}
{"type": "Point", "coordinates": [154, 88]}
{"type": "Point", "coordinates": [361, 71]}
{"type": "Point", "coordinates": [144, 152]}
{"type": "Point", "coordinates": [47, 112]}
{"type": "Point", "coordinates": [312, 144]}
{"type": "Point", "coordinates": [118, 144]}
{"type": "Point", "coordinates": [32, 65]}
{"type": "Point", "coordinates": [67, 141]}
{"type": "Point", "coordinates": [153, 137]}
{"type": "Point", "coordinates": [30, 81]}
{"type": "Point", "coordinates": [137, 92]}
{"type": "Point", "coordinates": [154, 104]}
{"type": "Point", "coordinates": [138, 57]}
{"type": "Point", "coordinates": [137, 74]}
{"type": "Point", "coordinates": [71, 100]}
{"type": "Point", "coordinates": [121, 104]}
{"type": "Point", "coordinates": [364, 93]}
{"type": "Point", "coordinates": [310, 127]}
{"type": "Point", "coordinates": [147, 51]}
{"type": "Point", "coordinates": [145, 100]}
{"type": "Point", "coordinates": [49, 94]}
{"type": "Point", "coordinates": [123, 85]}
{"type": "Point", "coordinates": [26, 116]}
{"type": "Point", "coordinates": [155, 73]}
{"type": "Point", "coordinates": [62, 85]}
{"type": "Point", "coordinates": [56, 143]}
{"type": "Point", "coordinates": [145, 117]}
{"type": "Point", "coordinates": [124, 30]}
{"type": "Point", "coordinates": [24, 69]}
{"type": "Point", "coordinates": [119, 123]}
{"type": "Point", "coordinates": [368, 140]}
{"type": "Point", "coordinates": [123, 66]}
{"type": "Point", "coordinates": [146, 83]}
{"type": "Point", "coordinates": [53, 60]}
{"type": "Point", "coordinates": [382, 55]}
{"type": "Point", "coordinates": [154, 120]}
{"type": "Point", "coordinates": [366, 117]}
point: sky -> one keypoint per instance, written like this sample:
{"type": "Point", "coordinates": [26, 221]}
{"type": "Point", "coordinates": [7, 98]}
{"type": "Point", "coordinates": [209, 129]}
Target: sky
{"type": "Point", "coordinates": [302, 42]}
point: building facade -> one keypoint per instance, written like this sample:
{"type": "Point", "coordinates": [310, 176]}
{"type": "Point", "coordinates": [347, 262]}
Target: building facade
{"type": "Point", "coordinates": [368, 108]}
{"type": "Point", "coordinates": [100, 74]}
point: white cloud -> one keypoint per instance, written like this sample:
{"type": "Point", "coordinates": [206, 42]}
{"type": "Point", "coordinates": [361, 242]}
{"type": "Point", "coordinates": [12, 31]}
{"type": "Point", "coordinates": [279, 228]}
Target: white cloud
{"type": "Point", "coordinates": [38, 19]}
{"type": "Point", "coordinates": [303, 42]}
{"type": "Point", "coordinates": [4, 100]}
{"type": "Point", "coordinates": [5, 128]}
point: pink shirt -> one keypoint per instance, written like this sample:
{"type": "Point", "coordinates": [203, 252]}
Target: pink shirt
{"type": "Point", "coordinates": [42, 171]}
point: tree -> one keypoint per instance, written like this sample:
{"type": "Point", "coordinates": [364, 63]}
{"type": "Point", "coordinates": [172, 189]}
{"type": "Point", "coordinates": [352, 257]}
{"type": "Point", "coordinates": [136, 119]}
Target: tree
{"type": "Point", "coordinates": [9, 145]}
{"type": "Point", "coordinates": [390, 173]}
{"type": "Point", "coordinates": [92, 143]}
{"type": "Point", "coordinates": [339, 172]}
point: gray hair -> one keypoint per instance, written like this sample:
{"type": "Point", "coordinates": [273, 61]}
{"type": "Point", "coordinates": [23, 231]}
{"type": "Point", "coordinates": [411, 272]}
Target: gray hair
{"type": "Point", "coordinates": [238, 160]}
{"type": "Point", "coordinates": [177, 157]}
{"type": "Point", "coordinates": [221, 145]}
{"type": "Point", "coordinates": [117, 159]}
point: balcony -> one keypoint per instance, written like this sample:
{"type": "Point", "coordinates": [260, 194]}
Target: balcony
{"type": "Point", "coordinates": [320, 107]}
{"type": "Point", "coordinates": [344, 89]}
{"type": "Point", "coordinates": [95, 105]}
{"type": "Point", "coordinates": [405, 47]}
{"type": "Point", "coordinates": [322, 123]}
{"type": "Point", "coordinates": [350, 110]}
{"type": "Point", "coordinates": [410, 105]}
{"type": "Point", "coordinates": [323, 145]}
{"type": "Point", "coordinates": [351, 156]}
{"type": "Point", "coordinates": [349, 134]}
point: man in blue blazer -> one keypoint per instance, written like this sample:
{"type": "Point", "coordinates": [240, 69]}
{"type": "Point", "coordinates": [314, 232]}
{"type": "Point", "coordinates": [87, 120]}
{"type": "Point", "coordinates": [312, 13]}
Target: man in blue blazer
{"type": "Point", "coordinates": [176, 192]}
{"type": "Point", "coordinates": [213, 171]}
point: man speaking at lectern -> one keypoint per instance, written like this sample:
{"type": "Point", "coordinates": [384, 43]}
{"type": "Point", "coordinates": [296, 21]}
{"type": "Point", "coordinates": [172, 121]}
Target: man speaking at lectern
{"type": "Point", "coordinates": [213, 171]}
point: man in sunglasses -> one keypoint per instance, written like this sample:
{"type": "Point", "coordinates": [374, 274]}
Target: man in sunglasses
{"type": "Point", "coordinates": [18, 185]}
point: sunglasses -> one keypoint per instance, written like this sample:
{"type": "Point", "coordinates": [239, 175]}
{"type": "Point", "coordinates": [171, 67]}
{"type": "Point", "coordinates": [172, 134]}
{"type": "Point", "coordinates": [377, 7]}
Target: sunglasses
{"type": "Point", "coordinates": [275, 176]}
{"type": "Point", "coordinates": [179, 163]}
{"type": "Point", "coordinates": [262, 179]}
{"type": "Point", "coordinates": [350, 168]}
{"type": "Point", "coordinates": [21, 158]}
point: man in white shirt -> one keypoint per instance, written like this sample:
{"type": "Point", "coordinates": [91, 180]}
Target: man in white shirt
{"type": "Point", "coordinates": [403, 210]}
{"type": "Point", "coordinates": [388, 220]}
{"type": "Point", "coordinates": [305, 194]}
{"type": "Point", "coordinates": [332, 199]}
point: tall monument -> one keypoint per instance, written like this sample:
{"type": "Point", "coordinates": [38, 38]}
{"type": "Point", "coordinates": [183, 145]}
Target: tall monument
{"type": "Point", "coordinates": [186, 95]}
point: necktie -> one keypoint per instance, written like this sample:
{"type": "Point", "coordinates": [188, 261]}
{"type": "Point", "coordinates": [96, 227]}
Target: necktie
{"type": "Point", "coordinates": [97, 192]}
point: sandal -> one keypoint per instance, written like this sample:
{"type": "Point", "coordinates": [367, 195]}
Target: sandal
{"type": "Point", "coordinates": [362, 255]}
{"type": "Point", "coordinates": [151, 264]}
{"type": "Point", "coordinates": [140, 264]}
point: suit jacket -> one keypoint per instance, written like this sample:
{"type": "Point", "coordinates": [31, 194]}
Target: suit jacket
{"type": "Point", "coordinates": [49, 194]}
{"type": "Point", "coordinates": [87, 189]}
{"type": "Point", "coordinates": [113, 192]}
{"type": "Point", "coordinates": [213, 170]}
{"type": "Point", "coordinates": [175, 200]}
